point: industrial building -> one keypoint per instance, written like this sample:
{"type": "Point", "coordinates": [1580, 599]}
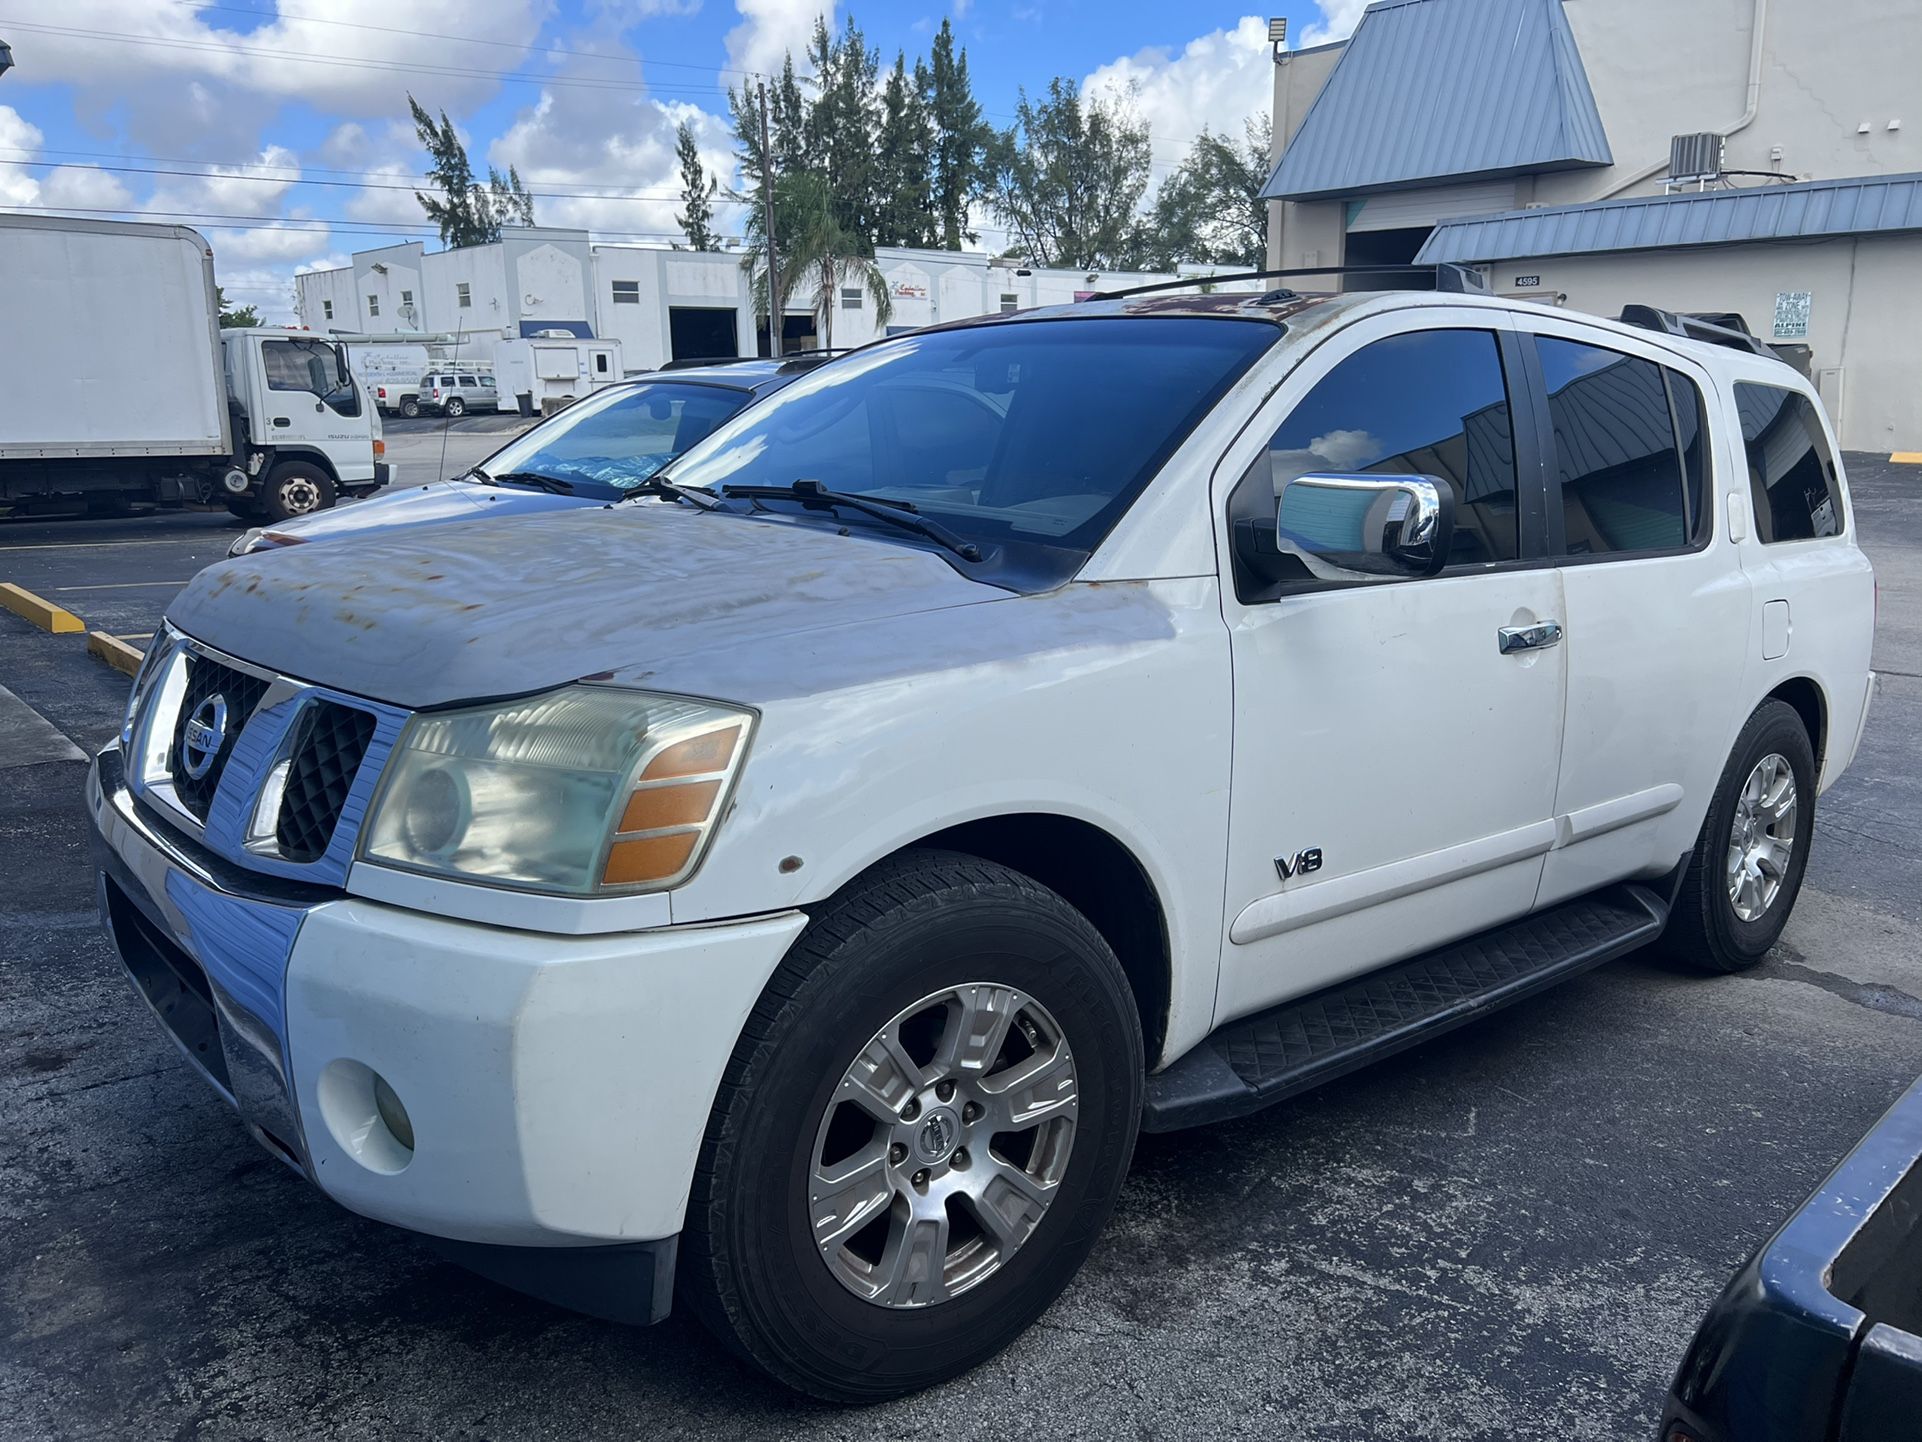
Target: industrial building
{"type": "Point", "coordinates": [1754, 157]}
{"type": "Point", "coordinates": [661, 305]}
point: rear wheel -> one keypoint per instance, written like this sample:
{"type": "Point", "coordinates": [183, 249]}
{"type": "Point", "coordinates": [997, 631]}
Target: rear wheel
{"type": "Point", "coordinates": [295, 488]}
{"type": "Point", "coordinates": [410, 407]}
{"type": "Point", "coordinates": [455, 407]}
{"type": "Point", "coordinates": [1747, 867]}
{"type": "Point", "coordinates": [920, 1134]}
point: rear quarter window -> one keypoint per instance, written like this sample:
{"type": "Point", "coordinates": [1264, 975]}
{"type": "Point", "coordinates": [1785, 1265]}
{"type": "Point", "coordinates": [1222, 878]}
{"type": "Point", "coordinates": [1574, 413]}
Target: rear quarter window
{"type": "Point", "coordinates": [1793, 483]}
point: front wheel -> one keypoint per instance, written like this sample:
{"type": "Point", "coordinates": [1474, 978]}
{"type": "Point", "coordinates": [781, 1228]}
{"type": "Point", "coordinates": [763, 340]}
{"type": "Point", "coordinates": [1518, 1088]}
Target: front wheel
{"type": "Point", "coordinates": [920, 1134]}
{"type": "Point", "coordinates": [295, 488]}
{"type": "Point", "coordinates": [1746, 870]}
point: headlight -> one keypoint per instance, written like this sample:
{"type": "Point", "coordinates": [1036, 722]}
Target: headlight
{"type": "Point", "coordinates": [259, 538]}
{"type": "Point", "coordinates": [159, 645]}
{"type": "Point", "coordinates": [584, 790]}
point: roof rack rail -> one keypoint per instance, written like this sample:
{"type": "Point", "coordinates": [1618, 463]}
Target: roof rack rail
{"type": "Point", "coordinates": [1724, 328]}
{"type": "Point", "coordinates": [1449, 276]}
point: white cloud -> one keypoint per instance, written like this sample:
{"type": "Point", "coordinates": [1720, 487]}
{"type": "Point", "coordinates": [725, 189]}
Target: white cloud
{"type": "Point", "coordinates": [172, 60]}
{"type": "Point", "coordinates": [1338, 21]}
{"type": "Point", "coordinates": [1218, 80]}
{"type": "Point", "coordinates": [576, 141]}
{"type": "Point", "coordinates": [17, 187]}
{"type": "Point", "coordinates": [771, 29]}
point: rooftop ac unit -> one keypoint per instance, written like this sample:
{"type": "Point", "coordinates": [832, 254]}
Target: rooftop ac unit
{"type": "Point", "coordinates": [1695, 157]}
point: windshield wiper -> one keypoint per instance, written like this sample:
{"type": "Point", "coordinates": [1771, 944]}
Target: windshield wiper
{"type": "Point", "coordinates": [475, 473]}
{"type": "Point", "coordinates": [669, 490]}
{"type": "Point", "coordinates": [900, 514]}
{"type": "Point", "coordinates": [553, 484]}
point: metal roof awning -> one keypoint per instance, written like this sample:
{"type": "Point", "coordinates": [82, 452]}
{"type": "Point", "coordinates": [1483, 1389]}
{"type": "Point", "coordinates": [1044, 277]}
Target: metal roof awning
{"type": "Point", "coordinates": [1809, 210]}
{"type": "Point", "coordinates": [1439, 92]}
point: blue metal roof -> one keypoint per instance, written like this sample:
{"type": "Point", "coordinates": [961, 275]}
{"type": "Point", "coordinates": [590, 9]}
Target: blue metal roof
{"type": "Point", "coordinates": [1860, 205]}
{"type": "Point", "coordinates": [1444, 91]}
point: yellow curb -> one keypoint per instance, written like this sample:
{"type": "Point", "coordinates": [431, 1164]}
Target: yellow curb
{"type": "Point", "coordinates": [114, 651]}
{"type": "Point", "coordinates": [1906, 458]}
{"type": "Point", "coordinates": [44, 614]}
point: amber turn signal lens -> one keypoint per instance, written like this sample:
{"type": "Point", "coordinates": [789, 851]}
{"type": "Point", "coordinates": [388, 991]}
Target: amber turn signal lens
{"type": "Point", "coordinates": [696, 756]}
{"type": "Point", "coordinates": [659, 807]}
{"type": "Point", "coordinates": [648, 858]}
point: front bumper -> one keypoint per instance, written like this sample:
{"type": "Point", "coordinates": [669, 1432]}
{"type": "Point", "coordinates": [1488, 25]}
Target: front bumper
{"type": "Point", "coordinates": [557, 1086]}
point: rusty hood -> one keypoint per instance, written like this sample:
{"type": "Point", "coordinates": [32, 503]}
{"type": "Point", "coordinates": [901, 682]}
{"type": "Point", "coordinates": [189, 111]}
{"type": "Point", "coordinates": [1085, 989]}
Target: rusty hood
{"type": "Point", "coordinates": [486, 608]}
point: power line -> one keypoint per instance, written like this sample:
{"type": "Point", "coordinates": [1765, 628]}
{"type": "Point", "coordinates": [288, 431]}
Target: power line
{"type": "Point", "coordinates": [360, 63]}
{"type": "Point", "coordinates": [226, 170]}
{"type": "Point", "coordinates": [306, 223]}
{"type": "Point", "coordinates": [665, 195]}
{"type": "Point", "coordinates": [536, 45]}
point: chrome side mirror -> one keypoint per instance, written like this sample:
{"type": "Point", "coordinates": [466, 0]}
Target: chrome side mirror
{"type": "Point", "coordinates": [1349, 527]}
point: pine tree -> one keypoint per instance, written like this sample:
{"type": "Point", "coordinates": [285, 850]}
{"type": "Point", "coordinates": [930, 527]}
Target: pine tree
{"type": "Point", "coordinates": [467, 211]}
{"type": "Point", "coordinates": [962, 138]}
{"type": "Point", "coordinates": [842, 124]}
{"type": "Point", "coordinates": [904, 155]}
{"type": "Point", "coordinates": [697, 193]}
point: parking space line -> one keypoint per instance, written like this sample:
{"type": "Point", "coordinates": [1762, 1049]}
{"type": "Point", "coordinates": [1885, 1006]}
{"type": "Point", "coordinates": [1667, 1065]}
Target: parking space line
{"type": "Point", "coordinates": [37, 609]}
{"type": "Point", "coordinates": [114, 651]}
{"type": "Point", "coordinates": [101, 545]}
{"type": "Point", "coordinates": [1906, 458]}
{"type": "Point", "coordinates": [115, 586]}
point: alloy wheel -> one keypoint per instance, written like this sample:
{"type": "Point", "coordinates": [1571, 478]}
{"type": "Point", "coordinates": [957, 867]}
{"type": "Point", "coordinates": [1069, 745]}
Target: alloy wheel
{"type": "Point", "coordinates": [943, 1146]}
{"type": "Point", "coordinates": [1762, 837]}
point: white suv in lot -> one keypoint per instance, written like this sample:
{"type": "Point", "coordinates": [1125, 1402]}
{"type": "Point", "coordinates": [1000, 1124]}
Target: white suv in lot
{"type": "Point", "coordinates": [794, 890]}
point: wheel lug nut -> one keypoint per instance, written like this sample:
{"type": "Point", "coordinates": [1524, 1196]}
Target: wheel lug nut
{"type": "Point", "coordinates": [897, 1154]}
{"type": "Point", "coordinates": [920, 1178]}
{"type": "Point", "coordinates": [970, 1112]}
{"type": "Point", "coordinates": [960, 1158]}
{"type": "Point", "coordinates": [945, 1090]}
{"type": "Point", "coordinates": [910, 1111]}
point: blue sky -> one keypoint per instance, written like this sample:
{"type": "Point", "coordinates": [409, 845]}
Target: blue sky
{"type": "Point", "coordinates": [288, 117]}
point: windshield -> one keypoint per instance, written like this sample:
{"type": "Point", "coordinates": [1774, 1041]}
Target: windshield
{"type": "Point", "coordinates": [1022, 434]}
{"type": "Point", "coordinates": [615, 439]}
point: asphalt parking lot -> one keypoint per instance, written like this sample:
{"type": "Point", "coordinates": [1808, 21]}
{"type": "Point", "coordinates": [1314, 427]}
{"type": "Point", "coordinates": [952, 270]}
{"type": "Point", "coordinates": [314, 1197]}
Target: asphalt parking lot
{"type": "Point", "coordinates": [1507, 1233]}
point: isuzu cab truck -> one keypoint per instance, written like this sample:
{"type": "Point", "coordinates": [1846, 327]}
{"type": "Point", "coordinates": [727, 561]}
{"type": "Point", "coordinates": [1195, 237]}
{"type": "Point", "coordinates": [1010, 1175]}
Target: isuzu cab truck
{"type": "Point", "coordinates": [117, 383]}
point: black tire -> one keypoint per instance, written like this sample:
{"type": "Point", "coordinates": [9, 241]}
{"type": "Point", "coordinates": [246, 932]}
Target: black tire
{"type": "Point", "coordinates": [1704, 930]}
{"type": "Point", "coordinates": [410, 407]}
{"type": "Point", "coordinates": [455, 408]}
{"type": "Point", "coordinates": [749, 1265]}
{"type": "Point", "coordinates": [295, 488]}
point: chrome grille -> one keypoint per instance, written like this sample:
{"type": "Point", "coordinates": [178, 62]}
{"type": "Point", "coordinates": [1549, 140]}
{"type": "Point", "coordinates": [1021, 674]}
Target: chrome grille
{"type": "Point", "coordinates": [288, 785]}
{"type": "Point", "coordinates": [330, 741]}
{"type": "Point", "coordinates": [238, 694]}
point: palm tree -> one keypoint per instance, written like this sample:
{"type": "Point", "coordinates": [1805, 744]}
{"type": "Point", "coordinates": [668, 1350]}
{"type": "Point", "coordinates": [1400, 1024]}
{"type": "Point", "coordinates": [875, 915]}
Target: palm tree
{"type": "Point", "coordinates": [817, 255]}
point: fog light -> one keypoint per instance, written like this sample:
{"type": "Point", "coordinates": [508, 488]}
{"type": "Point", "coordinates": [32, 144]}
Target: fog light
{"type": "Point", "coordinates": [387, 1103]}
{"type": "Point", "coordinates": [235, 480]}
{"type": "Point", "coordinates": [364, 1116]}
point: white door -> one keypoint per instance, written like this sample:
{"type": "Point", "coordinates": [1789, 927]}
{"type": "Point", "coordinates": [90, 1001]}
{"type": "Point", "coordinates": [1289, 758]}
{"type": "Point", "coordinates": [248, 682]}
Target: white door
{"type": "Point", "coordinates": [310, 398]}
{"type": "Point", "coordinates": [1381, 724]}
{"type": "Point", "coordinates": [1657, 616]}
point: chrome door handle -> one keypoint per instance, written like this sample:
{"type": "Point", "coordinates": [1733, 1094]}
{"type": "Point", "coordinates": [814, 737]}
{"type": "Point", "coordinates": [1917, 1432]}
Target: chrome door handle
{"type": "Point", "coordinates": [1537, 637]}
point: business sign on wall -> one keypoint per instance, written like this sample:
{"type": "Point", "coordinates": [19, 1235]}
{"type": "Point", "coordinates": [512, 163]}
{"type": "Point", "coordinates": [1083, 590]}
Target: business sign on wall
{"type": "Point", "coordinates": [1792, 314]}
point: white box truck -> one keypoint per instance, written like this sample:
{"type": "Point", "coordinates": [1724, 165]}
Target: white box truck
{"type": "Point", "coordinates": [540, 374]}
{"type": "Point", "coordinates": [117, 383]}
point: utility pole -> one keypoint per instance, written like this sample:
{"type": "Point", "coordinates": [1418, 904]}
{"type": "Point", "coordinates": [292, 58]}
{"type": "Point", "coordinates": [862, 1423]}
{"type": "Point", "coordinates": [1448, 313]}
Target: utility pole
{"type": "Point", "coordinates": [767, 220]}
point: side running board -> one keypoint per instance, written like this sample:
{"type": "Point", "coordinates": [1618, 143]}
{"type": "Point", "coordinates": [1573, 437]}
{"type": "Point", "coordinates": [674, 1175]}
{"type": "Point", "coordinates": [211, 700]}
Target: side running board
{"type": "Point", "coordinates": [1261, 1059]}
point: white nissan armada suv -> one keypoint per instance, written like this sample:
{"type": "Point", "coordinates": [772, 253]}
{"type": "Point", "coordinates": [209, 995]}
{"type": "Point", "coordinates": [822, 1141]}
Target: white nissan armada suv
{"type": "Point", "coordinates": [793, 890]}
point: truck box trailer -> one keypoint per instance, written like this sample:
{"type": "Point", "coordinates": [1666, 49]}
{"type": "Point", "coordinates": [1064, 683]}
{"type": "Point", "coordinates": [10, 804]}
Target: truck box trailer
{"type": "Point", "coordinates": [541, 374]}
{"type": "Point", "coordinates": [117, 383]}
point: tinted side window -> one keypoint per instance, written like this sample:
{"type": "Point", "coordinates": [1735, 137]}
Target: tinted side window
{"type": "Point", "coordinates": [1620, 467]}
{"type": "Point", "coordinates": [1429, 403]}
{"type": "Point", "coordinates": [1791, 474]}
{"type": "Point", "coordinates": [1691, 433]}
